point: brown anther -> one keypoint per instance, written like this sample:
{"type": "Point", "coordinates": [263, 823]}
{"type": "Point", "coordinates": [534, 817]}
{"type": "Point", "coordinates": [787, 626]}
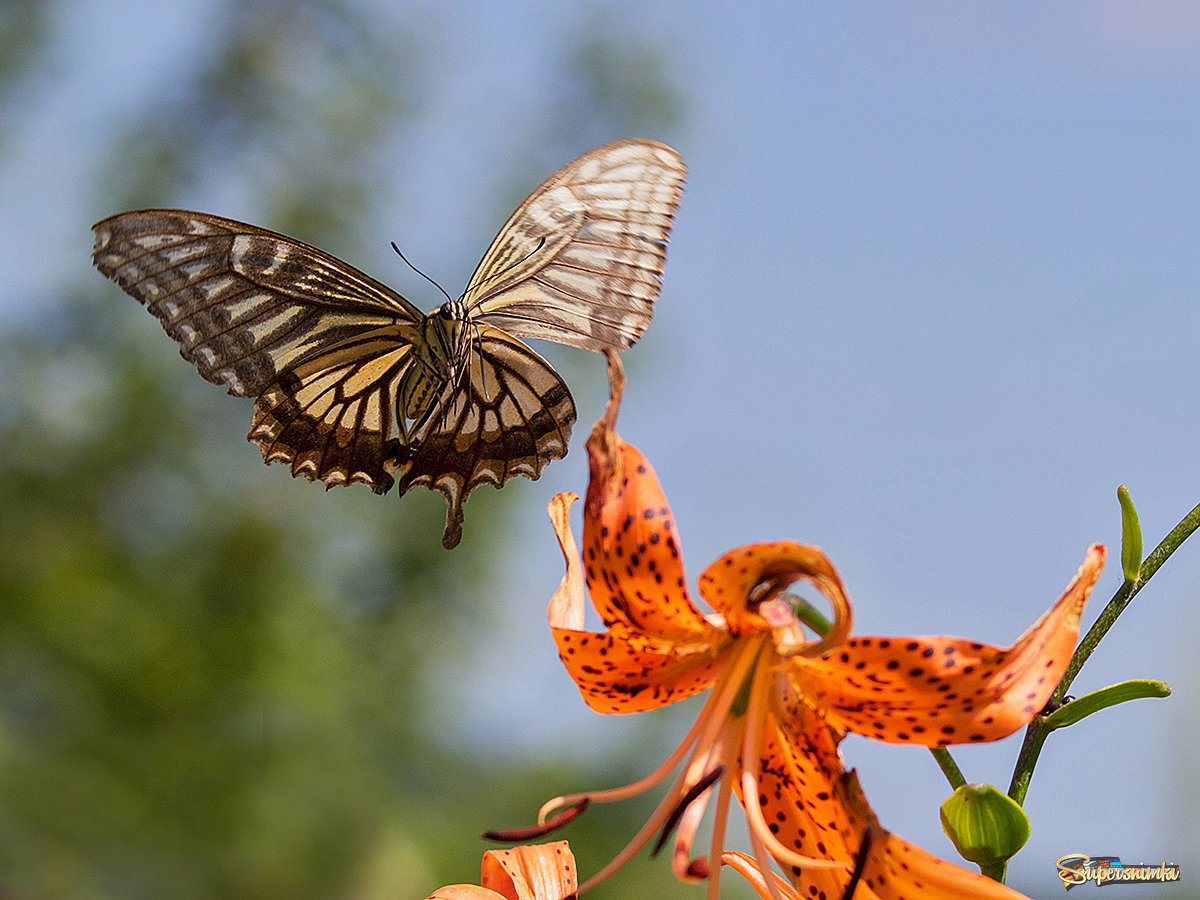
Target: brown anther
{"type": "Point", "coordinates": [681, 807]}
{"type": "Point", "coordinates": [514, 835]}
{"type": "Point", "coordinates": [699, 868]}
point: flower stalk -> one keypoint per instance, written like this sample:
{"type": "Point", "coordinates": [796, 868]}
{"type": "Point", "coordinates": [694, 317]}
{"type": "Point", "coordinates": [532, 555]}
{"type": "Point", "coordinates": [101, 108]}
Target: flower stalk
{"type": "Point", "coordinates": [1039, 729]}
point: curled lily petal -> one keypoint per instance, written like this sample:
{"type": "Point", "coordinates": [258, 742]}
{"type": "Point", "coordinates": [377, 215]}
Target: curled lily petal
{"type": "Point", "coordinates": [567, 605]}
{"type": "Point", "coordinates": [630, 527]}
{"type": "Point", "coordinates": [631, 555]}
{"type": "Point", "coordinates": [733, 583]}
{"type": "Point", "coordinates": [625, 670]}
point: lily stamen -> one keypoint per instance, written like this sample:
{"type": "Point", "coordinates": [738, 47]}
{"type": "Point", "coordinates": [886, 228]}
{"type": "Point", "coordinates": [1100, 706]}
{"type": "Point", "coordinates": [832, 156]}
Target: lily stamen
{"type": "Point", "coordinates": [702, 738]}
{"type": "Point", "coordinates": [756, 720]}
{"type": "Point", "coordinates": [720, 818]}
{"type": "Point", "coordinates": [543, 827]}
{"type": "Point", "coordinates": [860, 863]}
{"type": "Point", "coordinates": [693, 793]}
{"type": "Point", "coordinates": [713, 711]}
{"type": "Point", "coordinates": [685, 867]}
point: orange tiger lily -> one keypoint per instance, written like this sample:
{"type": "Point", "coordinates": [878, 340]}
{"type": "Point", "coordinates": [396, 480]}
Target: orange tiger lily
{"type": "Point", "coordinates": [536, 872]}
{"type": "Point", "coordinates": [781, 698]}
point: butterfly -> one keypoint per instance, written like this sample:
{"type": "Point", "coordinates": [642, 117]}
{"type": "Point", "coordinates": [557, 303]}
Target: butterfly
{"type": "Point", "coordinates": [354, 384]}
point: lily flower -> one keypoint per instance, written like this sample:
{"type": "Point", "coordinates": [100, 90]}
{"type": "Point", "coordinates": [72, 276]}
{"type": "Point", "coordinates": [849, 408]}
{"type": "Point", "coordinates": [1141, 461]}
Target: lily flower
{"type": "Point", "coordinates": [782, 695]}
{"type": "Point", "coordinates": [535, 872]}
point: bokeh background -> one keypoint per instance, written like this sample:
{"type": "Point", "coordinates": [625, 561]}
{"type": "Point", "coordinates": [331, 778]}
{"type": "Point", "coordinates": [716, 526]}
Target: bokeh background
{"type": "Point", "coordinates": [932, 295]}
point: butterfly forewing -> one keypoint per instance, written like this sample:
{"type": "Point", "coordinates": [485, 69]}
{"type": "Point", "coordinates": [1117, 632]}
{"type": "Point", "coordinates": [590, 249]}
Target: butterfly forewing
{"type": "Point", "coordinates": [580, 262]}
{"type": "Point", "coordinates": [243, 303]}
{"type": "Point", "coordinates": [512, 416]}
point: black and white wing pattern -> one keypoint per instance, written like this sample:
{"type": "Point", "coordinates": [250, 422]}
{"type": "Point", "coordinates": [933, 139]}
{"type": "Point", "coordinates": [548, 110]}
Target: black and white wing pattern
{"type": "Point", "coordinates": [581, 260]}
{"type": "Point", "coordinates": [244, 304]}
{"type": "Point", "coordinates": [354, 385]}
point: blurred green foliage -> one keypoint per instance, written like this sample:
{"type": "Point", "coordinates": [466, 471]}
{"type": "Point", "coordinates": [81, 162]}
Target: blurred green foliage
{"type": "Point", "coordinates": [216, 681]}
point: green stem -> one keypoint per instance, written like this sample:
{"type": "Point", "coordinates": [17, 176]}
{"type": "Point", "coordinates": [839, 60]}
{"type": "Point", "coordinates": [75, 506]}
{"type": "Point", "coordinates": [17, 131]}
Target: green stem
{"type": "Point", "coordinates": [809, 615]}
{"type": "Point", "coordinates": [949, 767]}
{"type": "Point", "coordinates": [1038, 730]}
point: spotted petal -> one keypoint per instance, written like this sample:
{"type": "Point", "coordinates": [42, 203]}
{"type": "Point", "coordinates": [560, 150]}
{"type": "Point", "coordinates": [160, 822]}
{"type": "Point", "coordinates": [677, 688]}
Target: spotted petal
{"type": "Point", "coordinates": [624, 670]}
{"type": "Point", "coordinates": [798, 766]}
{"type": "Point", "coordinates": [939, 690]}
{"type": "Point", "coordinates": [814, 807]}
{"type": "Point", "coordinates": [465, 892]}
{"type": "Point", "coordinates": [631, 555]}
{"type": "Point", "coordinates": [538, 872]}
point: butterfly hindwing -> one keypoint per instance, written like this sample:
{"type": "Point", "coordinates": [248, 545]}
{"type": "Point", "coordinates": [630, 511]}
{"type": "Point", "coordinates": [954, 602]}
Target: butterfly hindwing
{"type": "Point", "coordinates": [580, 262]}
{"type": "Point", "coordinates": [334, 418]}
{"type": "Point", "coordinates": [242, 302]}
{"type": "Point", "coordinates": [511, 416]}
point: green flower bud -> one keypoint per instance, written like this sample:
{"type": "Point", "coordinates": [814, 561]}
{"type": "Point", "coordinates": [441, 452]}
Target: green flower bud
{"type": "Point", "coordinates": [1131, 536]}
{"type": "Point", "coordinates": [987, 826]}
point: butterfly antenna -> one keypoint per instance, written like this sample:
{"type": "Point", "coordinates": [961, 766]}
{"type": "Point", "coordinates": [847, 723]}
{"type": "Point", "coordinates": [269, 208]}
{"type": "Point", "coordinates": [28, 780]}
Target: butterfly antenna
{"type": "Point", "coordinates": [419, 272]}
{"type": "Point", "coordinates": [517, 262]}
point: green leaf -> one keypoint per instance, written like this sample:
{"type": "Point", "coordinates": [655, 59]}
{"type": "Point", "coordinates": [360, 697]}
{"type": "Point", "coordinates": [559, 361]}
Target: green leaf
{"type": "Point", "coordinates": [1081, 707]}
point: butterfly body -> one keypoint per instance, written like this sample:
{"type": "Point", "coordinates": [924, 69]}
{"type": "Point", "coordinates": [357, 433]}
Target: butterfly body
{"type": "Point", "coordinates": [354, 384]}
{"type": "Point", "coordinates": [440, 357]}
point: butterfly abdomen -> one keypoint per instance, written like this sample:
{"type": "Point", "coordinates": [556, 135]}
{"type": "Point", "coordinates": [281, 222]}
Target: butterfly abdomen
{"type": "Point", "coordinates": [418, 389]}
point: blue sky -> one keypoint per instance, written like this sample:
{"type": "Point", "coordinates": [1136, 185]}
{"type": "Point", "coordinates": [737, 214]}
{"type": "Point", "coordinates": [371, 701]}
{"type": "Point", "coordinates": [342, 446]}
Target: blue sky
{"type": "Point", "coordinates": [933, 293]}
